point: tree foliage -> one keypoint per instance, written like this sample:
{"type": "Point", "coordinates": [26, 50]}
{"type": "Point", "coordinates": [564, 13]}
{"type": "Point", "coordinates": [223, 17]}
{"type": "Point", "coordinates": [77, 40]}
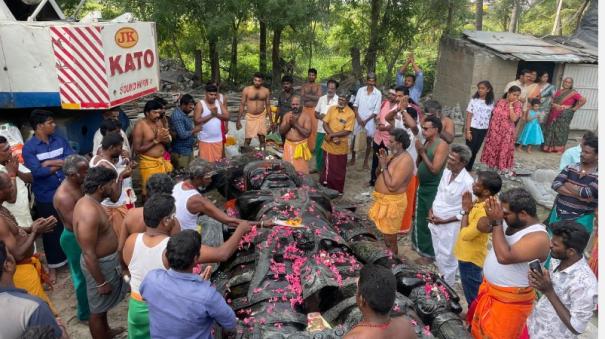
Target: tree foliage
{"type": "Point", "coordinates": [330, 35]}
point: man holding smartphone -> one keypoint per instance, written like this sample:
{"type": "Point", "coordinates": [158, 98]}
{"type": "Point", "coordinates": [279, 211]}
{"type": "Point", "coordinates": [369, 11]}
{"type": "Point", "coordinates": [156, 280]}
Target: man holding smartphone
{"type": "Point", "coordinates": [569, 287]}
{"type": "Point", "coordinates": [505, 298]}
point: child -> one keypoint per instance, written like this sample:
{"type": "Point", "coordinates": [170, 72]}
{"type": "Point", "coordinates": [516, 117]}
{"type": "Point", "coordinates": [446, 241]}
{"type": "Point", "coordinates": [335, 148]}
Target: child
{"type": "Point", "coordinates": [532, 133]}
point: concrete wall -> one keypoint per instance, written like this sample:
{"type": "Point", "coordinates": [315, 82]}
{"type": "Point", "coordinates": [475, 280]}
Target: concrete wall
{"type": "Point", "coordinates": [460, 67]}
{"type": "Point", "coordinates": [454, 73]}
{"type": "Point", "coordinates": [497, 71]}
{"type": "Point", "coordinates": [587, 84]}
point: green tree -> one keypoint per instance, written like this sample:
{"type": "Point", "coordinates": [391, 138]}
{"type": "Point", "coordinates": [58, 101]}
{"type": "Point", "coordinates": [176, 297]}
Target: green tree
{"type": "Point", "coordinates": [240, 12]}
{"type": "Point", "coordinates": [278, 15]}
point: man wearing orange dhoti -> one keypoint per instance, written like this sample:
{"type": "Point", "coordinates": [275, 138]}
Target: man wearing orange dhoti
{"type": "Point", "coordinates": [297, 128]}
{"type": "Point", "coordinates": [505, 298]}
{"type": "Point", "coordinates": [310, 93]}
{"type": "Point", "coordinates": [210, 114]}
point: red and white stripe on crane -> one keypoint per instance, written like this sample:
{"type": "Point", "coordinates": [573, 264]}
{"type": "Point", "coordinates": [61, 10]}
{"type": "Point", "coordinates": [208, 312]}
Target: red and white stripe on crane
{"type": "Point", "coordinates": [80, 66]}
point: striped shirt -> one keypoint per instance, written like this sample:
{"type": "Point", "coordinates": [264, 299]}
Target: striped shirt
{"type": "Point", "coordinates": [569, 207]}
{"type": "Point", "coordinates": [35, 153]}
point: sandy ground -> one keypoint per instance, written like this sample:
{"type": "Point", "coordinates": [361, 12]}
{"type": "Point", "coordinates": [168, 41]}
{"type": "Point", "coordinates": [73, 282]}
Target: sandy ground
{"type": "Point", "coordinates": [357, 192]}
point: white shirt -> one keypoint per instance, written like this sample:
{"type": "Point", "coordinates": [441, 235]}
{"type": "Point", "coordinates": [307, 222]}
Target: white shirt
{"type": "Point", "coordinates": [144, 260]}
{"type": "Point", "coordinates": [20, 209]}
{"type": "Point", "coordinates": [127, 197]}
{"type": "Point", "coordinates": [512, 275]}
{"type": "Point", "coordinates": [322, 107]}
{"type": "Point", "coordinates": [448, 201]}
{"type": "Point", "coordinates": [211, 131]}
{"type": "Point", "coordinates": [577, 288]}
{"type": "Point", "coordinates": [367, 104]}
{"type": "Point", "coordinates": [187, 220]}
{"type": "Point", "coordinates": [98, 137]}
{"type": "Point", "coordinates": [481, 111]}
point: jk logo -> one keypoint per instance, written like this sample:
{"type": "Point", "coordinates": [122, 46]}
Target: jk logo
{"type": "Point", "coordinates": [126, 37]}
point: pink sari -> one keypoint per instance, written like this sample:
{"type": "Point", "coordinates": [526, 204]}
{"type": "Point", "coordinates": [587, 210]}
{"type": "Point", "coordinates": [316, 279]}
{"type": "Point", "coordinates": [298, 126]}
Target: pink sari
{"type": "Point", "coordinates": [564, 97]}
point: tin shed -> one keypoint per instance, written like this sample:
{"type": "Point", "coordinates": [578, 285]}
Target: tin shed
{"type": "Point", "coordinates": [499, 56]}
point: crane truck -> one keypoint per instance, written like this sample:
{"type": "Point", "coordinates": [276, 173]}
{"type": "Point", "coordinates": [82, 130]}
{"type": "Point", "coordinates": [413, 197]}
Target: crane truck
{"type": "Point", "coordinates": [75, 68]}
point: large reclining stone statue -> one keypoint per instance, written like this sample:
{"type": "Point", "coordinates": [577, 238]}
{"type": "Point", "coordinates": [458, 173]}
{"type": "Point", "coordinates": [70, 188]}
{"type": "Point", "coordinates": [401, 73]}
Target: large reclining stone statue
{"type": "Point", "coordinates": [281, 274]}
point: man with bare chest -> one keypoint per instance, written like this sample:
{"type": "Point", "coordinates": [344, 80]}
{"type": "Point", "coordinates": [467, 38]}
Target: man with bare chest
{"type": "Point", "coordinates": [149, 140]}
{"type": "Point", "coordinates": [20, 243]}
{"type": "Point", "coordinates": [64, 201]}
{"type": "Point", "coordinates": [255, 99]}
{"type": "Point", "coordinates": [375, 297]}
{"type": "Point", "coordinates": [310, 93]}
{"type": "Point", "coordinates": [100, 262]}
{"type": "Point", "coordinates": [390, 191]}
{"type": "Point", "coordinates": [296, 126]}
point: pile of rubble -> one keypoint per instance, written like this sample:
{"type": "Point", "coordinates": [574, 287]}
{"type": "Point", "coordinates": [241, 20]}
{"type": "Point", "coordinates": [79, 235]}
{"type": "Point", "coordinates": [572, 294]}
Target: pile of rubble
{"type": "Point", "coordinates": [134, 108]}
{"type": "Point", "coordinates": [174, 77]}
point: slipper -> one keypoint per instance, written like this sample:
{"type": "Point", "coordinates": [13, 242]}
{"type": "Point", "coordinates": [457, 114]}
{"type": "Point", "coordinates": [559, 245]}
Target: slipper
{"type": "Point", "coordinates": [52, 277]}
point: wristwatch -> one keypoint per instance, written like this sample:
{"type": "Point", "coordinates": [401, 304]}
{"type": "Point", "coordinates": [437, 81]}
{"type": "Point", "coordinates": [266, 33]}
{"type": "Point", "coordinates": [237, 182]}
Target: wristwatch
{"type": "Point", "coordinates": [463, 212]}
{"type": "Point", "coordinates": [496, 223]}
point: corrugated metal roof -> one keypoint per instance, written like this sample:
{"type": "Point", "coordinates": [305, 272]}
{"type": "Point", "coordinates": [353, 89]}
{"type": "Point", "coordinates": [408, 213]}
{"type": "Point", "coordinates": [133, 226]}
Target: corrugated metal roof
{"type": "Point", "coordinates": [564, 58]}
{"type": "Point", "coordinates": [528, 48]}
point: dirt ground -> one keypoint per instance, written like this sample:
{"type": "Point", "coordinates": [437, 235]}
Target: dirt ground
{"type": "Point", "coordinates": [357, 192]}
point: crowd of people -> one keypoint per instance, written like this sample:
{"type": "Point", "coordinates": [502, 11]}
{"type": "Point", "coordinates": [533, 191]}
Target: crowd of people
{"type": "Point", "coordinates": [489, 241]}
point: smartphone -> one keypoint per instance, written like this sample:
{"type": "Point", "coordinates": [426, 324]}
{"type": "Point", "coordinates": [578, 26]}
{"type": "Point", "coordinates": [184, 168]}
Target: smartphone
{"type": "Point", "coordinates": [535, 266]}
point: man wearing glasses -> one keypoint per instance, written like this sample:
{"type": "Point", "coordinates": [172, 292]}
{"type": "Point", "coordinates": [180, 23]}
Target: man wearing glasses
{"type": "Point", "coordinates": [432, 158]}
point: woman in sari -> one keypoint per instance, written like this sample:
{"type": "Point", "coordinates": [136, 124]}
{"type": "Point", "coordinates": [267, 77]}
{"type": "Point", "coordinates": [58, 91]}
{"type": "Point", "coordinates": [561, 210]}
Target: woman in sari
{"type": "Point", "coordinates": [544, 91]}
{"type": "Point", "coordinates": [565, 103]}
{"type": "Point", "coordinates": [499, 147]}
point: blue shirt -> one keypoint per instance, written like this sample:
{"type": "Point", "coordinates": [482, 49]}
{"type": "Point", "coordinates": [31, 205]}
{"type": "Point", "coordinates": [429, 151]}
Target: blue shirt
{"type": "Point", "coordinates": [35, 152]}
{"type": "Point", "coordinates": [183, 305]}
{"type": "Point", "coordinates": [570, 156]}
{"type": "Point", "coordinates": [22, 311]}
{"type": "Point", "coordinates": [182, 125]}
{"type": "Point", "coordinates": [416, 89]}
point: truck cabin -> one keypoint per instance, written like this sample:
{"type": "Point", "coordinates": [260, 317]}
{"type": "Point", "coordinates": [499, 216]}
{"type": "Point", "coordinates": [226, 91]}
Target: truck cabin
{"type": "Point", "coordinates": [30, 10]}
